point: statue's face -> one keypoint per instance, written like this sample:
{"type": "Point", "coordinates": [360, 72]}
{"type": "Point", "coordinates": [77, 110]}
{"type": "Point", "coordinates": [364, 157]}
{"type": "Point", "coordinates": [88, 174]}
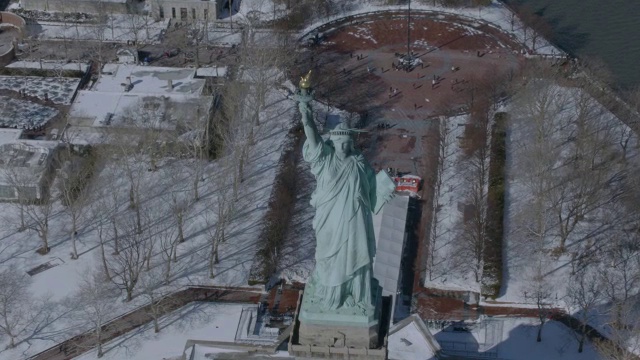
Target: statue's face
{"type": "Point", "coordinates": [343, 145]}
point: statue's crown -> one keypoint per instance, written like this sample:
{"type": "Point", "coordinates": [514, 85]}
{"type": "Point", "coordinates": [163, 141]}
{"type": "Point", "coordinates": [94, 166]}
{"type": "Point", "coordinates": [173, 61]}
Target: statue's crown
{"type": "Point", "coordinates": [341, 130]}
{"type": "Point", "coordinates": [305, 81]}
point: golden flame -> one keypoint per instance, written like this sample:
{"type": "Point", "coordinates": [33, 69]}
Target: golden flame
{"type": "Point", "coordinates": [305, 81]}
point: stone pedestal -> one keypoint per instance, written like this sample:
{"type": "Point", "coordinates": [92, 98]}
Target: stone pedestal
{"type": "Point", "coordinates": [343, 327]}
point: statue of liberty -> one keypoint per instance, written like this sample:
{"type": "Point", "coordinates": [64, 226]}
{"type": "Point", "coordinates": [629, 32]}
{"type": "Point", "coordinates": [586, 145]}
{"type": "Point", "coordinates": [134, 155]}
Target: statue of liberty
{"type": "Point", "coordinates": [347, 193]}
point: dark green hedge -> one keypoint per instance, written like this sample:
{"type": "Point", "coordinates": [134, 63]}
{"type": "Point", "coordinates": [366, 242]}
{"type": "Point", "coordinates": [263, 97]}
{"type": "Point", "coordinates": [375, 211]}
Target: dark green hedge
{"type": "Point", "coordinates": [492, 272]}
{"type": "Point", "coordinates": [279, 214]}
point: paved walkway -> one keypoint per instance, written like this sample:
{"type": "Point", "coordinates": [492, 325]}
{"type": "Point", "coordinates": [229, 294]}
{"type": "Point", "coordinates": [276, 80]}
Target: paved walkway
{"type": "Point", "coordinates": [86, 342]}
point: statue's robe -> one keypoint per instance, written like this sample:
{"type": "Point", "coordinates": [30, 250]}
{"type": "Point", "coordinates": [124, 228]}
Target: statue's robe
{"type": "Point", "coordinates": [344, 198]}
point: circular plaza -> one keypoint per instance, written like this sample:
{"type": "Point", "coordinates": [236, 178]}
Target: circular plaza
{"type": "Point", "coordinates": [358, 67]}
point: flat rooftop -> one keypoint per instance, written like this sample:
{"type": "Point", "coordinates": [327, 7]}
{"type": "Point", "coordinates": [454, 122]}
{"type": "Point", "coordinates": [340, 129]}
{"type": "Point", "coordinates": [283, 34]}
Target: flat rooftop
{"type": "Point", "coordinates": [9, 135]}
{"type": "Point", "coordinates": [149, 80]}
{"type": "Point", "coordinates": [48, 64]}
{"type": "Point", "coordinates": [120, 109]}
{"type": "Point", "coordinates": [25, 160]}
{"type": "Point", "coordinates": [158, 97]}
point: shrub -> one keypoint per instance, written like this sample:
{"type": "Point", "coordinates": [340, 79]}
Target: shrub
{"type": "Point", "coordinates": [492, 272]}
{"type": "Point", "coordinates": [279, 213]}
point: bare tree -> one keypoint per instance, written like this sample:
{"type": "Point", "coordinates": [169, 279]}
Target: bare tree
{"type": "Point", "coordinates": [96, 303]}
{"type": "Point", "coordinates": [157, 295]}
{"type": "Point", "coordinates": [583, 297]}
{"type": "Point", "coordinates": [138, 25]}
{"type": "Point", "coordinates": [217, 229]}
{"type": "Point", "coordinates": [197, 33]}
{"type": "Point", "coordinates": [584, 186]}
{"type": "Point", "coordinates": [234, 132]}
{"type": "Point", "coordinates": [38, 215]}
{"type": "Point", "coordinates": [537, 145]}
{"type": "Point", "coordinates": [263, 57]}
{"type": "Point", "coordinates": [622, 343]}
{"type": "Point", "coordinates": [127, 265]}
{"type": "Point", "coordinates": [110, 203]}
{"type": "Point", "coordinates": [101, 220]}
{"type": "Point", "coordinates": [150, 241]}
{"type": "Point", "coordinates": [538, 290]}
{"type": "Point", "coordinates": [168, 241]}
{"type": "Point", "coordinates": [15, 304]}
{"type": "Point", "coordinates": [446, 162]}
{"type": "Point", "coordinates": [180, 201]}
{"type": "Point", "coordinates": [65, 27]}
{"type": "Point", "coordinates": [131, 161]}
{"type": "Point", "coordinates": [72, 183]}
{"type": "Point", "coordinates": [196, 141]}
{"type": "Point", "coordinates": [245, 98]}
{"type": "Point", "coordinates": [620, 272]}
{"type": "Point", "coordinates": [475, 161]}
{"type": "Point", "coordinates": [20, 182]}
{"type": "Point", "coordinates": [98, 48]}
{"type": "Point", "coordinates": [627, 140]}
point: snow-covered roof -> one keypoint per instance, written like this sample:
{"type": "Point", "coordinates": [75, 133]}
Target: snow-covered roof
{"type": "Point", "coordinates": [49, 65]}
{"type": "Point", "coordinates": [261, 10]}
{"type": "Point", "coordinates": [223, 37]}
{"type": "Point", "coordinates": [410, 339]}
{"type": "Point", "coordinates": [149, 80]}
{"type": "Point", "coordinates": [97, 108]}
{"type": "Point", "coordinates": [203, 352]}
{"type": "Point", "coordinates": [22, 114]}
{"type": "Point", "coordinates": [9, 135]}
{"type": "Point", "coordinates": [25, 159]}
{"type": "Point", "coordinates": [156, 97]}
{"type": "Point", "coordinates": [389, 227]}
{"type": "Point", "coordinates": [213, 71]}
{"type": "Point", "coordinates": [58, 90]}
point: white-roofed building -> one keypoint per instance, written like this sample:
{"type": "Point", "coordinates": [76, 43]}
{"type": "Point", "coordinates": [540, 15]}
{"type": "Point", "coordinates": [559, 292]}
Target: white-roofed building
{"type": "Point", "coordinates": [49, 65]}
{"type": "Point", "coordinates": [9, 135]}
{"type": "Point", "coordinates": [410, 339]}
{"type": "Point", "coordinates": [390, 229]}
{"type": "Point", "coordinates": [141, 97]}
{"type": "Point", "coordinates": [212, 71]}
{"type": "Point", "coordinates": [25, 167]}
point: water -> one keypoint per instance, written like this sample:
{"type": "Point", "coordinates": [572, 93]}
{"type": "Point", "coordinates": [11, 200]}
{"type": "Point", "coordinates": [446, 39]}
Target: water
{"type": "Point", "coordinates": [608, 30]}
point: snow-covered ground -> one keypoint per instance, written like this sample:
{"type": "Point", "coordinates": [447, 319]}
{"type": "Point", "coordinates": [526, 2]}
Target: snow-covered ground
{"type": "Point", "coordinates": [520, 251]}
{"type": "Point", "coordinates": [60, 282]}
{"type": "Point", "coordinates": [513, 338]}
{"type": "Point", "coordinates": [445, 268]}
{"type": "Point", "coordinates": [195, 321]}
{"type": "Point", "coordinates": [594, 251]}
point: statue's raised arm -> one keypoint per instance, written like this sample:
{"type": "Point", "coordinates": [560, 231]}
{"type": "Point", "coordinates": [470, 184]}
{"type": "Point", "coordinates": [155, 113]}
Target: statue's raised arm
{"type": "Point", "coordinates": [304, 98]}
